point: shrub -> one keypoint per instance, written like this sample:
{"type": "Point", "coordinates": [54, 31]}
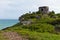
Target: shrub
{"type": "Point", "coordinates": [40, 27]}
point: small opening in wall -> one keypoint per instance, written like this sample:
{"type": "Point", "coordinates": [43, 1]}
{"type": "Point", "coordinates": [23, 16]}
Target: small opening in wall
{"type": "Point", "coordinates": [41, 9]}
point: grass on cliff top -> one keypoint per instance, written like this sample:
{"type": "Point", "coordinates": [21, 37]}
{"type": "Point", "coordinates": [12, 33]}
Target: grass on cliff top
{"type": "Point", "coordinates": [40, 29]}
{"type": "Point", "coordinates": [32, 35]}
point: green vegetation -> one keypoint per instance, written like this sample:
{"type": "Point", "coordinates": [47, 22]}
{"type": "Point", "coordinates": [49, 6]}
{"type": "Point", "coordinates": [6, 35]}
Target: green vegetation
{"type": "Point", "coordinates": [41, 28]}
{"type": "Point", "coordinates": [32, 34]}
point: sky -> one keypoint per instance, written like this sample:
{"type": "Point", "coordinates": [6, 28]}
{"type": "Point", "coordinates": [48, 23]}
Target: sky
{"type": "Point", "coordinates": [13, 9]}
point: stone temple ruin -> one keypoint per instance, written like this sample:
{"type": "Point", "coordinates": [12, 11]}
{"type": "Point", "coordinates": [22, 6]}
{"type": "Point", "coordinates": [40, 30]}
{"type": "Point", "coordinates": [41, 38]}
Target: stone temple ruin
{"type": "Point", "coordinates": [44, 9]}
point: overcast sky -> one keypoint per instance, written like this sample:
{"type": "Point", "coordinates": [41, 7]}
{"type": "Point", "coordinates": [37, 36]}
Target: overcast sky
{"type": "Point", "coordinates": [12, 9]}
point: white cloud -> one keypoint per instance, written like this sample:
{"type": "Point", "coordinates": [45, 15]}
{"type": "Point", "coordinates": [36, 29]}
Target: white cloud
{"type": "Point", "coordinates": [15, 8]}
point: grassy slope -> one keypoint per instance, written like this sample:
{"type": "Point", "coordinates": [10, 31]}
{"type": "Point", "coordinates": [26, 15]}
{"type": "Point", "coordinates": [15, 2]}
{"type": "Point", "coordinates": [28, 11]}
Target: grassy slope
{"type": "Point", "coordinates": [32, 35]}
{"type": "Point", "coordinates": [39, 30]}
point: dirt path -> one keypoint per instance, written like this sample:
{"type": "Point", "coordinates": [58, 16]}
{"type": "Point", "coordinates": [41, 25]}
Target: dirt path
{"type": "Point", "coordinates": [13, 36]}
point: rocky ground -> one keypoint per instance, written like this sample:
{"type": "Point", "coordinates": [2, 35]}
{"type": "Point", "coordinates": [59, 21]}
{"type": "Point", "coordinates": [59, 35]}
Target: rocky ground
{"type": "Point", "coordinates": [13, 36]}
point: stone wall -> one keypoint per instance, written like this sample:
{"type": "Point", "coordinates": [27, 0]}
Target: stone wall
{"type": "Point", "coordinates": [44, 9]}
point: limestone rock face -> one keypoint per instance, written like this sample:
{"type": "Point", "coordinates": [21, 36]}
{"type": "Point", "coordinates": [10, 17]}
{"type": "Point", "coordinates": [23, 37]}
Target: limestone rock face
{"type": "Point", "coordinates": [26, 22]}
